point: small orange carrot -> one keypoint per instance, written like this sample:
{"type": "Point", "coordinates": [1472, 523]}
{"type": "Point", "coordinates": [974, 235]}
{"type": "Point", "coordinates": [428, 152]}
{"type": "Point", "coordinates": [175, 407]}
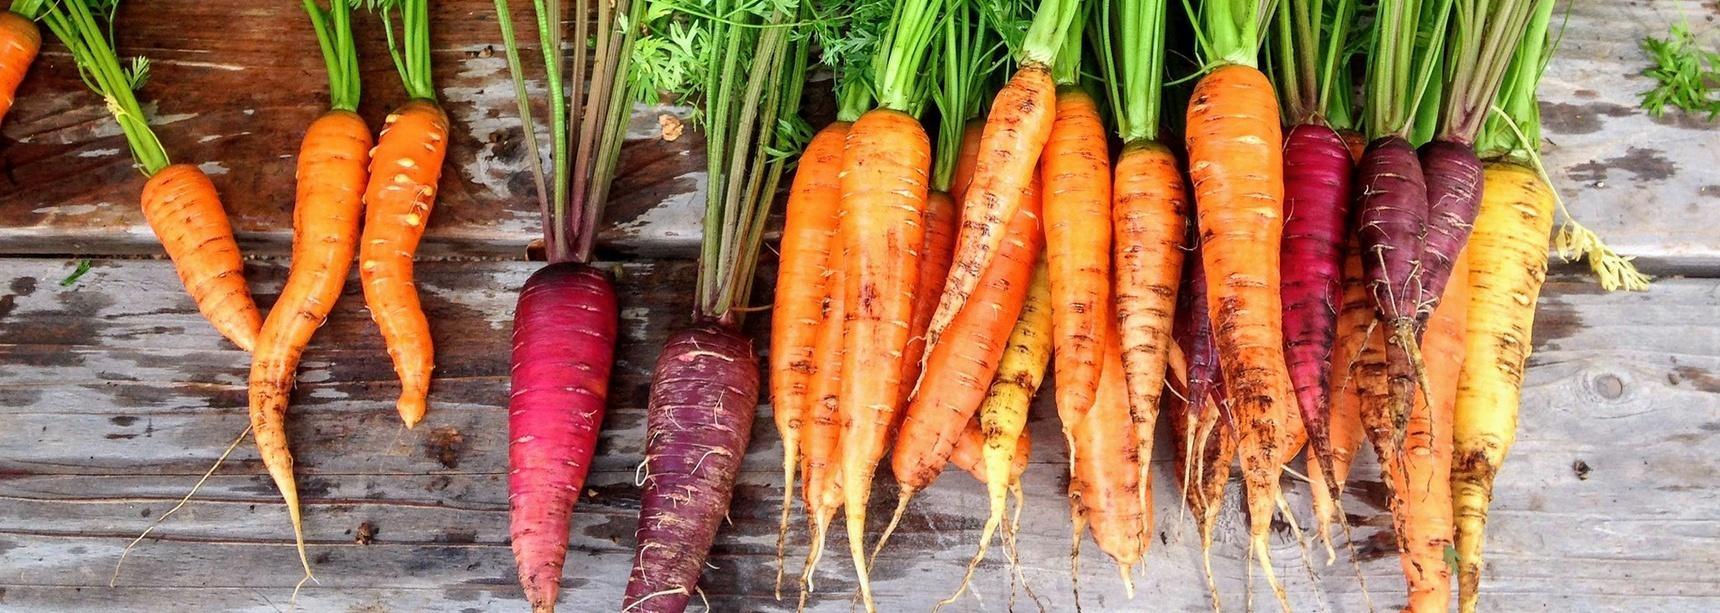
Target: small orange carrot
{"type": "Point", "coordinates": [181, 206]}
{"type": "Point", "coordinates": [967, 159]}
{"type": "Point", "coordinates": [1104, 492]}
{"type": "Point", "coordinates": [1075, 166]}
{"type": "Point", "coordinates": [969, 453]}
{"type": "Point", "coordinates": [20, 39]}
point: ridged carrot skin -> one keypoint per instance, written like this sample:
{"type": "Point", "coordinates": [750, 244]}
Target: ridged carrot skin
{"type": "Point", "coordinates": [1316, 202]}
{"type": "Point", "coordinates": [1509, 247]}
{"type": "Point", "coordinates": [802, 289]}
{"type": "Point", "coordinates": [1424, 522]}
{"type": "Point", "coordinates": [1453, 174]}
{"type": "Point", "coordinates": [1355, 314]}
{"type": "Point", "coordinates": [563, 345]}
{"type": "Point", "coordinates": [183, 210]}
{"type": "Point", "coordinates": [404, 169]}
{"type": "Point", "coordinates": [967, 160]}
{"type": "Point", "coordinates": [1009, 149]}
{"type": "Point", "coordinates": [1074, 167]}
{"type": "Point", "coordinates": [20, 40]}
{"type": "Point", "coordinates": [821, 446]}
{"type": "Point", "coordinates": [935, 254]}
{"type": "Point", "coordinates": [1391, 225]}
{"type": "Point", "coordinates": [1104, 488]}
{"type": "Point", "coordinates": [886, 167]}
{"type": "Point", "coordinates": [1235, 161]}
{"type": "Point", "coordinates": [703, 393]}
{"type": "Point", "coordinates": [959, 372]}
{"type": "Point", "coordinates": [331, 175]}
{"type": "Point", "coordinates": [1149, 211]}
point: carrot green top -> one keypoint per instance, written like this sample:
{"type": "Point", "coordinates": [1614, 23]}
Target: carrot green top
{"type": "Point", "coordinates": [1513, 130]}
{"type": "Point", "coordinates": [1310, 61]}
{"type": "Point", "coordinates": [28, 9]}
{"type": "Point", "coordinates": [1230, 31]}
{"type": "Point", "coordinates": [747, 66]}
{"type": "Point", "coordinates": [1487, 33]}
{"type": "Point", "coordinates": [969, 54]}
{"type": "Point", "coordinates": [1048, 32]}
{"type": "Point", "coordinates": [598, 105]}
{"type": "Point", "coordinates": [334, 35]}
{"type": "Point", "coordinates": [897, 83]}
{"type": "Point", "coordinates": [1404, 55]}
{"type": "Point", "coordinates": [1132, 53]}
{"type": "Point", "coordinates": [411, 52]}
{"type": "Point", "coordinates": [81, 30]}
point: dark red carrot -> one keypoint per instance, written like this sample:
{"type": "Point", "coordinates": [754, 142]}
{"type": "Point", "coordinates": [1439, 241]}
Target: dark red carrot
{"type": "Point", "coordinates": [565, 322]}
{"type": "Point", "coordinates": [1453, 175]}
{"type": "Point", "coordinates": [1316, 194]}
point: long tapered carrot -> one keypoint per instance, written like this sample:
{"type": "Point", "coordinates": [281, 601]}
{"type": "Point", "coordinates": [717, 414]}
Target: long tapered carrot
{"type": "Point", "coordinates": [1003, 414]}
{"type": "Point", "coordinates": [935, 253]}
{"type": "Point", "coordinates": [1355, 318]}
{"type": "Point", "coordinates": [884, 188]}
{"type": "Point", "coordinates": [331, 173]}
{"type": "Point", "coordinates": [20, 39]}
{"type": "Point", "coordinates": [404, 171]}
{"type": "Point", "coordinates": [958, 372]}
{"type": "Point", "coordinates": [1424, 521]}
{"type": "Point", "coordinates": [802, 291]}
{"type": "Point", "coordinates": [181, 206]}
{"type": "Point", "coordinates": [1074, 165]}
{"type": "Point", "coordinates": [821, 450]}
{"type": "Point", "coordinates": [1236, 165]}
{"type": "Point", "coordinates": [1104, 488]}
{"type": "Point", "coordinates": [1015, 134]}
{"type": "Point", "coordinates": [1150, 214]}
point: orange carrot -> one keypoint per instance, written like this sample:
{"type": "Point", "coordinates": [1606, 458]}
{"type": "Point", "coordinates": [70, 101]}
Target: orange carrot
{"type": "Point", "coordinates": [404, 170]}
{"type": "Point", "coordinates": [1075, 165]}
{"type": "Point", "coordinates": [1355, 316]}
{"type": "Point", "coordinates": [967, 159]}
{"type": "Point", "coordinates": [1423, 518]}
{"type": "Point", "coordinates": [1150, 213]}
{"type": "Point", "coordinates": [181, 206]}
{"type": "Point", "coordinates": [821, 449]}
{"type": "Point", "coordinates": [331, 173]}
{"type": "Point", "coordinates": [884, 189]}
{"type": "Point", "coordinates": [1009, 149]}
{"type": "Point", "coordinates": [958, 373]}
{"type": "Point", "coordinates": [935, 254]}
{"type": "Point", "coordinates": [1236, 164]}
{"type": "Point", "coordinates": [1103, 464]}
{"type": "Point", "coordinates": [802, 291]}
{"type": "Point", "coordinates": [20, 39]}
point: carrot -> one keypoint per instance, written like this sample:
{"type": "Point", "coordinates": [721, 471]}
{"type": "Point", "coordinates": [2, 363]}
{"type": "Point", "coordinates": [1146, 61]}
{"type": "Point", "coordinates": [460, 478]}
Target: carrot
{"type": "Point", "coordinates": [1236, 165]}
{"type": "Point", "coordinates": [1104, 488]}
{"type": "Point", "coordinates": [1355, 318]}
{"type": "Point", "coordinates": [1508, 255]}
{"type": "Point", "coordinates": [935, 253]}
{"type": "Point", "coordinates": [1424, 522]}
{"type": "Point", "coordinates": [1003, 414]}
{"type": "Point", "coordinates": [967, 159]}
{"type": "Point", "coordinates": [1075, 164]}
{"type": "Point", "coordinates": [331, 173]}
{"type": "Point", "coordinates": [19, 42]}
{"type": "Point", "coordinates": [821, 442]}
{"type": "Point", "coordinates": [1016, 131]}
{"type": "Point", "coordinates": [957, 373]}
{"type": "Point", "coordinates": [885, 180]}
{"type": "Point", "coordinates": [970, 450]}
{"type": "Point", "coordinates": [704, 388]}
{"type": "Point", "coordinates": [566, 317]}
{"type": "Point", "coordinates": [802, 290]}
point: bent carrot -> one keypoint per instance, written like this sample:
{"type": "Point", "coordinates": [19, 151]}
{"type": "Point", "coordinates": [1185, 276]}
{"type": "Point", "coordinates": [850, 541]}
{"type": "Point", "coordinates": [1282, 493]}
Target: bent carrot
{"type": "Point", "coordinates": [404, 171]}
{"type": "Point", "coordinates": [183, 210]}
{"type": "Point", "coordinates": [802, 293]}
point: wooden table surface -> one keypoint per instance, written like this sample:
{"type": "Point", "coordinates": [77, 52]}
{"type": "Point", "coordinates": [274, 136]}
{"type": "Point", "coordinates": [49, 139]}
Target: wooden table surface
{"type": "Point", "coordinates": [115, 395]}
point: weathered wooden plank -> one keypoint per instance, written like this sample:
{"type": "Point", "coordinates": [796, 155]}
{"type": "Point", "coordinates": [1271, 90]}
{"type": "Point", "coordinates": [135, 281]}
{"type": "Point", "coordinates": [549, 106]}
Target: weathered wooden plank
{"type": "Point", "coordinates": [115, 395]}
{"type": "Point", "coordinates": [1643, 183]}
{"type": "Point", "coordinates": [238, 103]}
{"type": "Point", "coordinates": [237, 99]}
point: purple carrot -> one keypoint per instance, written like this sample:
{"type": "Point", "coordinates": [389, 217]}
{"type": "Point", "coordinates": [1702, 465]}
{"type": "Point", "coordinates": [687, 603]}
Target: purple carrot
{"type": "Point", "coordinates": [703, 394]}
{"type": "Point", "coordinates": [1391, 226]}
{"type": "Point", "coordinates": [1453, 196]}
{"type": "Point", "coordinates": [1317, 171]}
{"type": "Point", "coordinates": [564, 342]}
{"type": "Point", "coordinates": [1192, 330]}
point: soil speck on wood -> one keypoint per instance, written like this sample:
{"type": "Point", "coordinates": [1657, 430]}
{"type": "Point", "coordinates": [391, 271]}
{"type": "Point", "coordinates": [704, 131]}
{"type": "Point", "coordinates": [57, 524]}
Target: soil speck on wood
{"type": "Point", "coordinates": [445, 445]}
{"type": "Point", "coordinates": [1581, 469]}
{"type": "Point", "coordinates": [366, 534]}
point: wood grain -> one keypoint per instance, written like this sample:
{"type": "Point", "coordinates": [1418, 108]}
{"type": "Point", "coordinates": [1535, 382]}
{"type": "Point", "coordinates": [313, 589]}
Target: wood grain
{"type": "Point", "coordinates": [116, 396]}
{"type": "Point", "coordinates": [238, 100]}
